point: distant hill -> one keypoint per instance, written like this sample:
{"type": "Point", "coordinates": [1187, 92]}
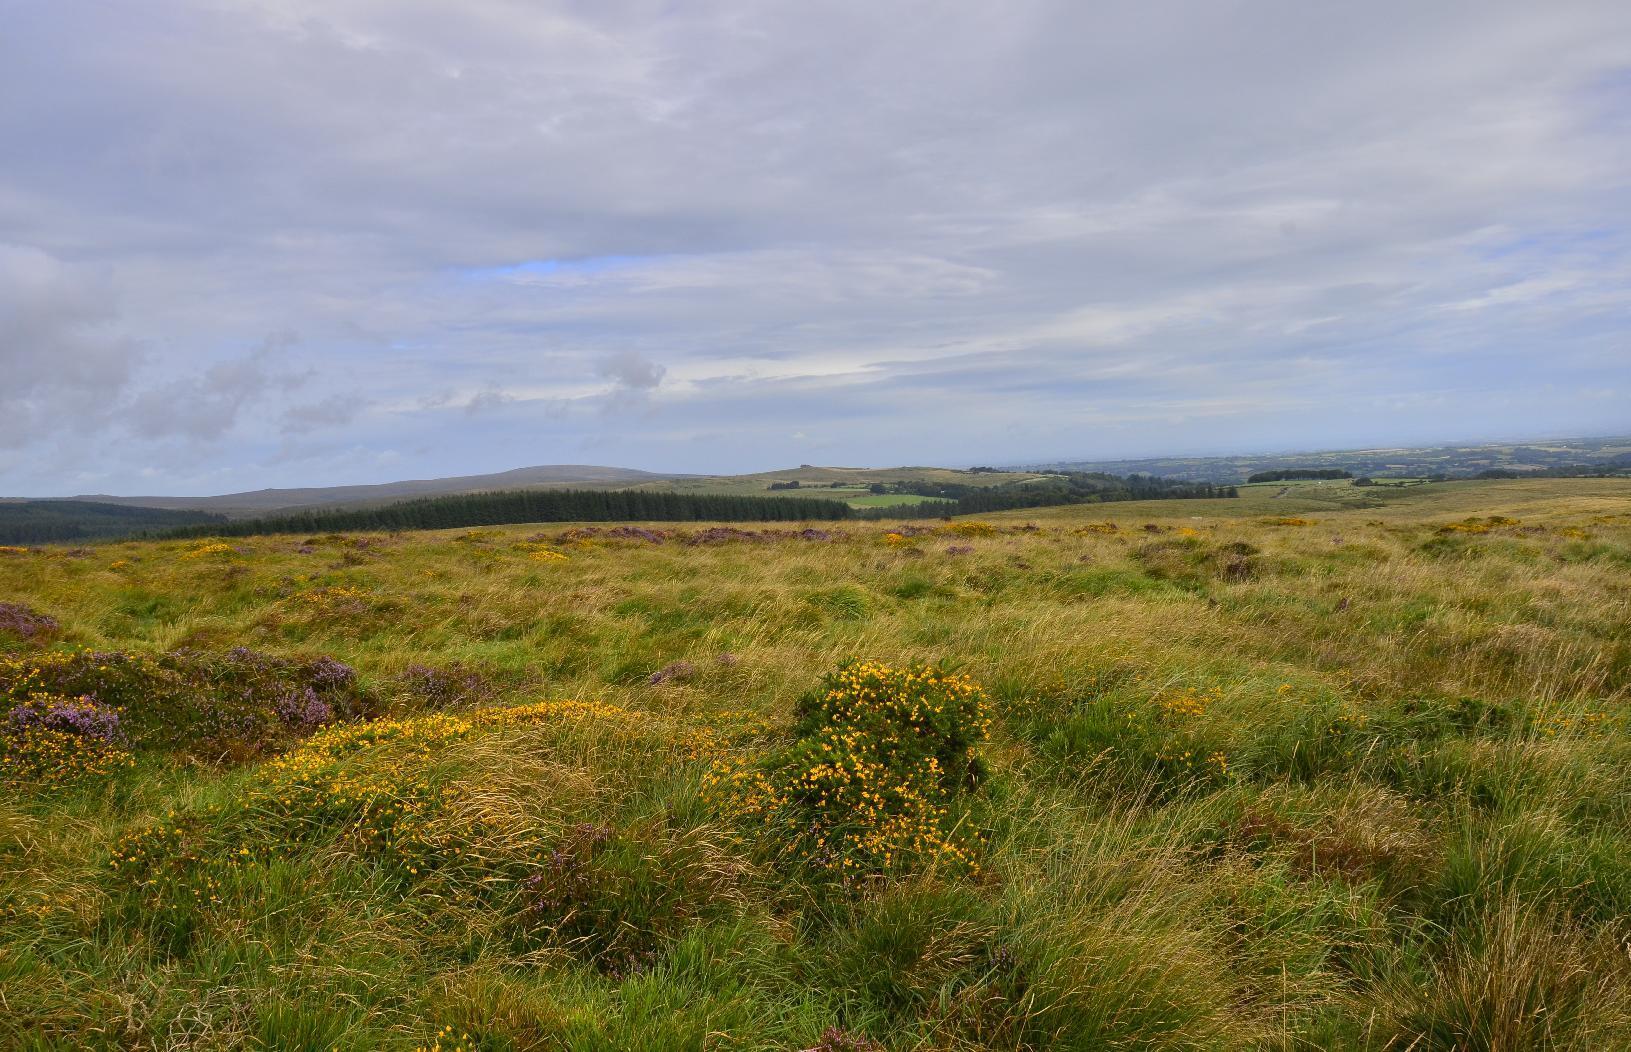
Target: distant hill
{"type": "Point", "coordinates": [48, 521]}
{"type": "Point", "coordinates": [872, 487]}
{"type": "Point", "coordinates": [261, 501]}
{"type": "Point", "coordinates": [1460, 461]}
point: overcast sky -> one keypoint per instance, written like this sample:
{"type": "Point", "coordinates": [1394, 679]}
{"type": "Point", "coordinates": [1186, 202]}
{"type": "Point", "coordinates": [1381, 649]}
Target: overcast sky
{"type": "Point", "coordinates": [301, 242]}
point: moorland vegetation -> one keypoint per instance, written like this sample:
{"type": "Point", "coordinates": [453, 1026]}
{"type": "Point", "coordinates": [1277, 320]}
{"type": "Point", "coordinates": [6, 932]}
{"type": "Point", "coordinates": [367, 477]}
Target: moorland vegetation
{"type": "Point", "coordinates": [1330, 769]}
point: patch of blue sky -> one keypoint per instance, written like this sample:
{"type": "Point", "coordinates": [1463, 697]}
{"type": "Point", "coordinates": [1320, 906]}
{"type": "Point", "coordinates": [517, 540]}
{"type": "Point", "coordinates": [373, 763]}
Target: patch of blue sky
{"type": "Point", "coordinates": [1554, 243]}
{"type": "Point", "coordinates": [589, 266]}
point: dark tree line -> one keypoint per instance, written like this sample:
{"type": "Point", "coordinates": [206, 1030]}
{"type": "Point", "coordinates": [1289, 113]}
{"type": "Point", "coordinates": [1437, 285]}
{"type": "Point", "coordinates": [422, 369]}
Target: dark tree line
{"type": "Point", "coordinates": [48, 521]}
{"type": "Point", "coordinates": [1291, 474]}
{"type": "Point", "coordinates": [31, 522]}
{"type": "Point", "coordinates": [553, 505]}
{"type": "Point", "coordinates": [1072, 488]}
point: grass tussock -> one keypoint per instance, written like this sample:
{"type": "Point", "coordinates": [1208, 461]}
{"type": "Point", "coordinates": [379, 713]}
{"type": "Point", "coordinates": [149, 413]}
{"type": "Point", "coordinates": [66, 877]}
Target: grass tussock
{"type": "Point", "coordinates": [1257, 774]}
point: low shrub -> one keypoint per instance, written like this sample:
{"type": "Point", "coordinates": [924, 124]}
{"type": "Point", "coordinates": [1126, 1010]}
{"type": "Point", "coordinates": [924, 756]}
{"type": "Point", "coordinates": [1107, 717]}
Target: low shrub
{"type": "Point", "coordinates": [869, 786]}
{"type": "Point", "coordinates": [443, 686]}
{"type": "Point", "coordinates": [50, 740]}
{"type": "Point", "coordinates": [26, 623]}
{"type": "Point", "coordinates": [219, 707]}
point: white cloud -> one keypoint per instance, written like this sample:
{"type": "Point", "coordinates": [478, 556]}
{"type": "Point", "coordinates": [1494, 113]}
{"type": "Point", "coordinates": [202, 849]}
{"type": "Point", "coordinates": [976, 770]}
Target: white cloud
{"type": "Point", "coordinates": [859, 220]}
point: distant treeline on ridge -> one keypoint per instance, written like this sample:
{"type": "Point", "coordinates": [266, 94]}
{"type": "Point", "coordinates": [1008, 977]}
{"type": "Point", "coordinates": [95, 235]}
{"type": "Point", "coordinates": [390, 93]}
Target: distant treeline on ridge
{"type": "Point", "coordinates": [55, 521]}
{"type": "Point", "coordinates": [550, 505]}
{"type": "Point", "coordinates": [565, 505]}
{"type": "Point", "coordinates": [1072, 487]}
{"type": "Point", "coordinates": [1291, 474]}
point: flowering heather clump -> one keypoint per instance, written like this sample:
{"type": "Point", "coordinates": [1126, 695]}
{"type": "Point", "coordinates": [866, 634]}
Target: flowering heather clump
{"type": "Point", "coordinates": [81, 716]}
{"type": "Point", "coordinates": [301, 709]}
{"type": "Point", "coordinates": [444, 687]}
{"type": "Point", "coordinates": [724, 535]}
{"type": "Point", "coordinates": [325, 673]}
{"type": "Point", "coordinates": [637, 533]}
{"type": "Point", "coordinates": [25, 623]}
{"type": "Point", "coordinates": [969, 528]}
{"type": "Point", "coordinates": [132, 685]}
{"type": "Point", "coordinates": [229, 706]}
{"type": "Point", "coordinates": [52, 741]}
{"type": "Point", "coordinates": [868, 787]}
{"type": "Point", "coordinates": [959, 549]}
{"type": "Point", "coordinates": [1104, 528]}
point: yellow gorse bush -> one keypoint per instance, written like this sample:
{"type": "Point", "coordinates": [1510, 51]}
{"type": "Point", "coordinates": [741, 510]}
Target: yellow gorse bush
{"type": "Point", "coordinates": [373, 786]}
{"type": "Point", "coordinates": [47, 758]}
{"type": "Point", "coordinates": [379, 802]}
{"type": "Point", "coordinates": [1187, 701]}
{"type": "Point", "coordinates": [448, 1041]}
{"type": "Point", "coordinates": [204, 551]}
{"type": "Point", "coordinates": [540, 552]}
{"type": "Point", "coordinates": [1484, 525]}
{"type": "Point", "coordinates": [869, 786]}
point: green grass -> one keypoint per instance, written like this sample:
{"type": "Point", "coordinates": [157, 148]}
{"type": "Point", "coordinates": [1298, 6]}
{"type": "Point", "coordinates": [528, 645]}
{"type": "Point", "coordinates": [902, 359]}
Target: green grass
{"type": "Point", "coordinates": [818, 481]}
{"type": "Point", "coordinates": [1279, 773]}
{"type": "Point", "coordinates": [891, 500]}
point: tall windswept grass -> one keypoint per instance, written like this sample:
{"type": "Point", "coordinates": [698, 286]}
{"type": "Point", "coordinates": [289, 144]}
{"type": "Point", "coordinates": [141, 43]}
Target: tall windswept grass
{"type": "Point", "coordinates": [1264, 773]}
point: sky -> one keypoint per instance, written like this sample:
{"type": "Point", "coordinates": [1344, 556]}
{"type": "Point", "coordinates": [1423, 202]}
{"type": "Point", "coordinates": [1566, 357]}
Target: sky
{"type": "Point", "coordinates": [251, 243]}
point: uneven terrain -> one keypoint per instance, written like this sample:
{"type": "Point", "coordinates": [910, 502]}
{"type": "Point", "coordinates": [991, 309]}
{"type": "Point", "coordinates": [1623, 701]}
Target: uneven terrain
{"type": "Point", "coordinates": [1316, 768]}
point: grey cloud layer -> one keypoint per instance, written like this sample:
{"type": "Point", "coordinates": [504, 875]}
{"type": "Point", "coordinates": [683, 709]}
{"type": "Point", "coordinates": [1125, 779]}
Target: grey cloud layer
{"type": "Point", "coordinates": [723, 236]}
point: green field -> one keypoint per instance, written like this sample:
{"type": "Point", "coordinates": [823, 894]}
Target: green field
{"type": "Point", "coordinates": [891, 500]}
{"type": "Point", "coordinates": [818, 481]}
{"type": "Point", "coordinates": [1392, 463]}
{"type": "Point", "coordinates": [1346, 768]}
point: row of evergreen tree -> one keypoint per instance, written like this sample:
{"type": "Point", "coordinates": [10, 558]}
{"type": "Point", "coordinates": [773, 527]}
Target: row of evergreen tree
{"type": "Point", "coordinates": [1076, 487]}
{"type": "Point", "coordinates": [541, 505]}
{"type": "Point", "coordinates": [59, 521]}
{"type": "Point", "coordinates": [1292, 474]}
